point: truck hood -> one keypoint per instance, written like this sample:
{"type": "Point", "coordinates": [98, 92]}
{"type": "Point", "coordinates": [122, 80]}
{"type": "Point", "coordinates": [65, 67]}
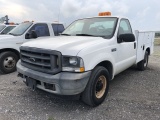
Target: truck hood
{"type": "Point", "coordinates": [4, 38]}
{"type": "Point", "coordinates": [67, 45]}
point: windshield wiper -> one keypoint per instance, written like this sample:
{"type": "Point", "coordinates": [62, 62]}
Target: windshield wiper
{"type": "Point", "coordinates": [13, 34]}
{"type": "Point", "coordinates": [88, 35]}
{"type": "Point", "coordinates": [66, 34]}
{"type": "Point", "coordinates": [84, 35]}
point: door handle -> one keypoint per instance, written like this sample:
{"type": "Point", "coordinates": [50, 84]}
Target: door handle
{"type": "Point", "coordinates": [143, 47]}
{"type": "Point", "coordinates": [114, 49]}
{"type": "Point", "coordinates": [20, 43]}
{"type": "Point", "coordinates": [135, 45]}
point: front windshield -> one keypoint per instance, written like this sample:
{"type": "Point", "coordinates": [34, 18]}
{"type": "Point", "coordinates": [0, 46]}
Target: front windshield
{"type": "Point", "coordinates": [7, 29]}
{"type": "Point", "coordinates": [20, 29]}
{"type": "Point", "coordinates": [2, 27]}
{"type": "Point", "coordinates": [98, 27]}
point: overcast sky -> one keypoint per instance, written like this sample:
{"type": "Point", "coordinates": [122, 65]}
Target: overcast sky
{"type": "Point", "coordinates": [143, 14]}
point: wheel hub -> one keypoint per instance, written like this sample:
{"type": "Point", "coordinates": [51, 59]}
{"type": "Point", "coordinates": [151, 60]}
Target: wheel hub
{"type": "Point", "coordinates": [9, 62]}
{"type": "Point", "coordinates": [101, 86]}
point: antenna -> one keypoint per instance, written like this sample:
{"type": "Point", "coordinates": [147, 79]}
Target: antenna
{"type": "Point", "coordinates": [58, 17]}
{"type": "Point", "coordinates": [59, 11]}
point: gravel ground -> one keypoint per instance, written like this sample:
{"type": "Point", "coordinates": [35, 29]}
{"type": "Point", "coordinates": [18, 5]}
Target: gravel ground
{"type": "Point", "coordinates": [133, 95]}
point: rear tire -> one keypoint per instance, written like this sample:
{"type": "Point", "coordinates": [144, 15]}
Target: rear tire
{"type": "Point", "coordinates": [8, 62]}
{"type": "Point", "coordinates": [142, 65]}
{"type": "Point", "coordinates": [97, 87]}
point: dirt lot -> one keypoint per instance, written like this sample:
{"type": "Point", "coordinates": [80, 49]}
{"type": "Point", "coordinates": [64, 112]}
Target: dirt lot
{"type": "Point", "coordinates": [133, 95]}
{"type": "Point", "coordinates": [157, 41]}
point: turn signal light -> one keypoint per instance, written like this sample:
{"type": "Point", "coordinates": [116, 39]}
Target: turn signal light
{"type": "Point", "coordinates": [82, 69]}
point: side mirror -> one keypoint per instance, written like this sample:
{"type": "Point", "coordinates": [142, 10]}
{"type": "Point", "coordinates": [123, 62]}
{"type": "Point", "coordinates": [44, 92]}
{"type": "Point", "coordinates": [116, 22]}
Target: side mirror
{"type": "Point", "coordinates": [126, 38]}
{"type": "Point", "coordinates": [27, 36]}
{"type": "Point", "coordinates": [31, 35]}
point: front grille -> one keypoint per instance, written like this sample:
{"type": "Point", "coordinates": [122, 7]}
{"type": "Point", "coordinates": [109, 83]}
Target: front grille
{"type": "Point", "coordinates": [42, 60]}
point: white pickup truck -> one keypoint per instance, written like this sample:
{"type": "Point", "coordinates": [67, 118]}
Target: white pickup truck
{"type": "Point", "coordinates": [4, 29]}
{"type": "Point", "coordinates": [82, 61]}
{"type": "Point", "coordinates": [27, 31]}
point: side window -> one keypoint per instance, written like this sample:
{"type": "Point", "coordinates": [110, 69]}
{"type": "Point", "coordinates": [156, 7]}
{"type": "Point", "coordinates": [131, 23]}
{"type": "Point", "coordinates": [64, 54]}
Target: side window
{"type": "Point", "coordinates": [57, 28]}
{"type": "Point", "coordinates": [124, 27]}
{"type": "Point", "coordinates": [60, 28]}
{"type": "Point", "coordinates": [41, 29]}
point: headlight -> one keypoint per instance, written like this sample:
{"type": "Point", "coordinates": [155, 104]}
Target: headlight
{"type": "Point", "coordinates": [72, 64]}
{"type": "Point", "coordinates": [73, 61]}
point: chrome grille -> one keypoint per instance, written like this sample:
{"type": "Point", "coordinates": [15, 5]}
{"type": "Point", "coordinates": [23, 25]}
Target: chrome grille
{"type": "Point", "coordinates": [42, 60]}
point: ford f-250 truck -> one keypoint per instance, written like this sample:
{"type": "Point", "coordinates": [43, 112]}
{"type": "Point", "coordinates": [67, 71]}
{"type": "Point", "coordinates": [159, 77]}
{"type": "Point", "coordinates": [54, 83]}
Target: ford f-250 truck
{"type": "Point", "coordinates": [90, 52]}
{"type": "Point", "coordinates": [26, 31]}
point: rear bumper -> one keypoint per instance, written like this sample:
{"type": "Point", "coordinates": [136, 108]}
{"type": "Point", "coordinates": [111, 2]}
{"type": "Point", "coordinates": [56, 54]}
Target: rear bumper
{"type": "Point", "coordinates": [65, 83]}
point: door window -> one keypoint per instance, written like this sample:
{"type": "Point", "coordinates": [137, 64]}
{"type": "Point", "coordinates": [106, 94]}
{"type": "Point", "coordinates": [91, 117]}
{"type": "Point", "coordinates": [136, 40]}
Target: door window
{"type": "Point", "coordinates": [41, 29]}
{"type": "Point", "coordinates": [57, 28]}
{"type": "Point", "coordinates": [124, 27]}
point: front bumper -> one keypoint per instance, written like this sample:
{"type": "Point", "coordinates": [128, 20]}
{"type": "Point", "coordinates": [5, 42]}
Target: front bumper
{"type": "Point", "coordinates": [65, 83]}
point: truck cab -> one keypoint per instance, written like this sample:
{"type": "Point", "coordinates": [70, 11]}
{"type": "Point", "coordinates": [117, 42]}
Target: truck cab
{"type": "Point", "coordinates": [87, 55]}
{"type": "Point", "coordinates": [26, 31]}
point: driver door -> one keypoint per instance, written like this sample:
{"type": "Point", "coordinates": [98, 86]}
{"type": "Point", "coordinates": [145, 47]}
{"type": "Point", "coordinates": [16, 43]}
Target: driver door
{"type": "Point", "coordinates": [126, 50]}
{"type": "Point", "coordinates": [41, 30]}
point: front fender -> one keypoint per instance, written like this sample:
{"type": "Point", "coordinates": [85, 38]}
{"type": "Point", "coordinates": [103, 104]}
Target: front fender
{"type": "Point", "coordinates": [9, 46]}
{"type": "Point", "coordinates": [92, 60]}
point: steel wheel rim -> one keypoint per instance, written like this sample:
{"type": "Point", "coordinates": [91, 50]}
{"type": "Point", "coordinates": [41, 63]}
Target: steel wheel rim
{"type": "Point", "coordinates": [100, 90]}
{"type": "Point", "coordinates": [9, 62]}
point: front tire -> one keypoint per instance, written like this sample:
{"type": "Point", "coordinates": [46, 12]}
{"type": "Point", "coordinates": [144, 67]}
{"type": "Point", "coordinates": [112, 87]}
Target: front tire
{"type": "Point", "coordinates": [142, 65]}
{"type": "Point", "coordinates": [97, 87]}
{"type": "Point", "coordinates": [8, 62]}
